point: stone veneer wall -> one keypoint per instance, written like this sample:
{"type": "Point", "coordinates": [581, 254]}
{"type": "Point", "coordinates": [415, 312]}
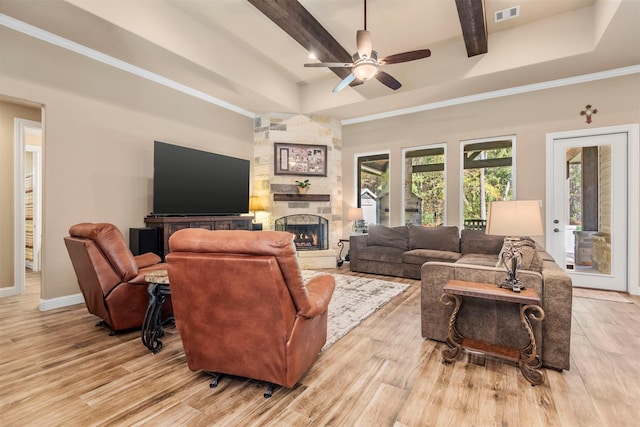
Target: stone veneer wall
{"type": "Point", "coordinates": [604, 189]}
{"type": "Point", "coordinates": [270, 128]}
{"type": "Point", "coordinates": [602, 239]}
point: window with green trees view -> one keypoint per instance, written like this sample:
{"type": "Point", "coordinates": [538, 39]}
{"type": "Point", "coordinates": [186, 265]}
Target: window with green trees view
{"type": "Point", "coordinates": [424, 194]}
{"type": "Point", "coordinates": [488, 176]}
{"type": "Point", "coordinates": [373, 187]}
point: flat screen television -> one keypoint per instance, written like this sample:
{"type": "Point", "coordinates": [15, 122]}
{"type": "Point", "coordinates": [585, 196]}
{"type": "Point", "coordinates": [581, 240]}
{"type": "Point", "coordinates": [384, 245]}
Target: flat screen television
{"type": "Point", "coordinates": [187, 181]}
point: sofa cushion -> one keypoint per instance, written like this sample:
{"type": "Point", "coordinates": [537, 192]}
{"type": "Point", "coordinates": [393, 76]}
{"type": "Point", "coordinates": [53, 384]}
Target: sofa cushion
{"type": "Point", "coordinates": [477, 242]}
{"type": "Point", "coordinates": [395, 237]}
{"type": "Point", "coordinates": [381, 254]}
{"type": "Point", "coordinates": [420, 256]}
{"type": "Point", "coordinates": [485, 260]}
{"type": "Point", "coordinates": [437, 238]}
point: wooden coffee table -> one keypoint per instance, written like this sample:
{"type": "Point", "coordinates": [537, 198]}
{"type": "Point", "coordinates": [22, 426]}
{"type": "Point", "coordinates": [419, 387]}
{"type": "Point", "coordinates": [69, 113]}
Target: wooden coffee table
{"type": "Point", "coordinates": [153, 326]}
{"type": "Point", "coordinates": [529, 301]}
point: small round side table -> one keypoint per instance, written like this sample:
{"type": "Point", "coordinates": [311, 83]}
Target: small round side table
{"type": "Point", "coordinates": [153, 326]}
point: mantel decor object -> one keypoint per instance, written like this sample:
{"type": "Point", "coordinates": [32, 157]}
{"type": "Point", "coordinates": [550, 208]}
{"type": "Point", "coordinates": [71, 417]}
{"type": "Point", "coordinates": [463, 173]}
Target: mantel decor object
{"type": "Point", "coordinates": [303, 186]}
{"type": "Point", "coordinates": [514, 218]}
{"type": "Point", "coordinates": [300, 159]}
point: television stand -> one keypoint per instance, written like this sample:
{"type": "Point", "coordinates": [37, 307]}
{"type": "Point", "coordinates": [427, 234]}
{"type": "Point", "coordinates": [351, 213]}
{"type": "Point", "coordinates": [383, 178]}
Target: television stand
{"type": "Point", "coordinates": [167, 225]}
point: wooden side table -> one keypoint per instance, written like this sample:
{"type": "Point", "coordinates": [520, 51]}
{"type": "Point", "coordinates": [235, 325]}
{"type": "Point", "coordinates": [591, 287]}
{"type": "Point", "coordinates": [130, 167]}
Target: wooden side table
{"type": "Point", "coordinates": [527, 358]}
{"type": "Point", "coordinates": [153, 326]}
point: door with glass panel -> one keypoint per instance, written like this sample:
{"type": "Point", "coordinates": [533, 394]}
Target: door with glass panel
{"type": "Point", "coordinates": [589, 210]}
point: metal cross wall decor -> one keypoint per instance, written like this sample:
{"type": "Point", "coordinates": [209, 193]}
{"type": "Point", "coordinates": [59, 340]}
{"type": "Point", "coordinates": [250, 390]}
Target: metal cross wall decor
{"type": "Point", "coordinates": [588, 111]}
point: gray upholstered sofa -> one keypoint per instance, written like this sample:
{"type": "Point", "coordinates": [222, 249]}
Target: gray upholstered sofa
{"type": "Point", "coordinates": [401, 251]}
{"type": "Point", "coordinates": [433, 252]}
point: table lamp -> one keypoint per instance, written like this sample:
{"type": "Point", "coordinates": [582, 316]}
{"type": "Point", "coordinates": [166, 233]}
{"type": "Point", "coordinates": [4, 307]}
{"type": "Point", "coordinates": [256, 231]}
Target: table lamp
{"type": "Point", "coordinates": [359, 224]}
{"type": "Point", "coordinates": [256, 203]}
{"type": "Point", "coordinates": [514, 219]}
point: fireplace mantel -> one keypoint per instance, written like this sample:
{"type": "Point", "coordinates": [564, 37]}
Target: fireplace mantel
{"type": "Point", "coordinates": [301, 197]}
{"type": "Point", "coordinates": [323, 198]}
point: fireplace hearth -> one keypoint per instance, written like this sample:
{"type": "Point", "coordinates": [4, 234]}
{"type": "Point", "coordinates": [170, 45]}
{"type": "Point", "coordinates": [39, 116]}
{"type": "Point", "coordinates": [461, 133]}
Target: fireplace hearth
{"type": "Point", "coordinates": [311, 232]}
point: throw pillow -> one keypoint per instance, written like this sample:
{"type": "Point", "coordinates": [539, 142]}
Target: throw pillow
{"type": "Point", "coordinates": [380, 235]}
{"type": "Point", "coordinates": [435, 238]}
{"type": "Point", "coordinates": [530, 258]}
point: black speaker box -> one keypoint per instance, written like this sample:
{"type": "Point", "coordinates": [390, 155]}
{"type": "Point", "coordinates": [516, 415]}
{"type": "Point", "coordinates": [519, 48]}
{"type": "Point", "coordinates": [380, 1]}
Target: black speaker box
{"type": "Point", "coordinates": [143, 240]}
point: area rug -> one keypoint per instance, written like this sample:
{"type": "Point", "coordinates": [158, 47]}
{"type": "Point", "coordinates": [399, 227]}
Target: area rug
{"type": "Point", "coordinates": [354, 299]}
{"type": "Point", "coordinates": [601, 295]}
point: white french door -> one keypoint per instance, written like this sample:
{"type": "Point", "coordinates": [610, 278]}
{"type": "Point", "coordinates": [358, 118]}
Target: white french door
{"type": "Point", "coordinates": [587, 226]}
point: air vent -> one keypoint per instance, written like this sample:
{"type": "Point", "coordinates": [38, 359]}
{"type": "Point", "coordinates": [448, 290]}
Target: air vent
{"type": "Point", "coordinates": [504, 14]}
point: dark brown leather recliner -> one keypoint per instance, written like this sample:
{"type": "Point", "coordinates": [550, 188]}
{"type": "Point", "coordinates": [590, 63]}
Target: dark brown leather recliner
{"type": "Point", "coordinates": [241, 305]}
{"type": "Point", "coordinates": [110, 277]}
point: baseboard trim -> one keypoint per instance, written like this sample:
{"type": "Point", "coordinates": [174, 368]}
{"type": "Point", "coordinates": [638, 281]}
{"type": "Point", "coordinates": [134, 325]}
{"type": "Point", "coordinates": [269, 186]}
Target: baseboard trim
{"type": "Point", "coordinates": [59, 302]}
{"type": "Point", "coordinates": [8, 292]}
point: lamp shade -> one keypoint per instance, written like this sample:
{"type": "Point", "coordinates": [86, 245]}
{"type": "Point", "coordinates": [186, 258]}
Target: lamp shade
{"type": "Point", "coordinates": [256, 203]}
{"type": "Point", "coordinates": [515, 218]}
{"type": "Point", "coordinates": [354, 213]}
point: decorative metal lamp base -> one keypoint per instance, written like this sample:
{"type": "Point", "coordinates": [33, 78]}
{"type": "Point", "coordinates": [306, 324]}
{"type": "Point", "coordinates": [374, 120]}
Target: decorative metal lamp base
{"type": "Point", "coordinates": [512, 283]}
{"type": "Point", "coordinates": [360, 226]}
{"type": "Point", "coordinates": [512, 260]}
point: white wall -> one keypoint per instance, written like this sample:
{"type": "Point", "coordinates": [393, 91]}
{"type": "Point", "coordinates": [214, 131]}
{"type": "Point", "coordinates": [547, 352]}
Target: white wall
{"type": "Point", "coordinates": [99, 128]}
{"type": "Point", "coordinates": [528, 116]}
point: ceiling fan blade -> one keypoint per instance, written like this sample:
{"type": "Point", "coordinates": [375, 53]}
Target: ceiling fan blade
{"type": "Point", "coordinates": [387, 80]}
{"type": "Point", "coordinates": [344, 83]}
{"type": "Point", "coordinates": [406, 56]}
{"type": "Point", "coordinates": [330, 64]}
{"type": "Point", "coordinates": [364, 44]}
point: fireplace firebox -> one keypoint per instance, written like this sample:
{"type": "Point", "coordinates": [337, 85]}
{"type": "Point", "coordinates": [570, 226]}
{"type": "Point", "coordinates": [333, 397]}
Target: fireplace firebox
{"type": "Point", "coordinates": [311, 232]}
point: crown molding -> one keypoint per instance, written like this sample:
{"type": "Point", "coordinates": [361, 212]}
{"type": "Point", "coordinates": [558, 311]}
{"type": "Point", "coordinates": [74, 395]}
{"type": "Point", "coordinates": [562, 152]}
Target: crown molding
{"type": "Point", "coordinates": [51, 38]}
{"type": "Point", "coordinates": [64, 43]}
{"type": "Point", "coordinates": [617, 72]}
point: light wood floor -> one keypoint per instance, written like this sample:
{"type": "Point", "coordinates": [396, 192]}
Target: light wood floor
{"type": "Point", "coordinates": [57, 368]}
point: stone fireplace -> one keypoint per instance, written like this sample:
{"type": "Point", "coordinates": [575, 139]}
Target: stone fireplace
{"type": "Point", "coordinates": [321, 207]}
{"type": "Point", "coordinates": [311, 232]}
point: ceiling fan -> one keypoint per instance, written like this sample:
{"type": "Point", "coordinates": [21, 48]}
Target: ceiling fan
{"type": "Point", "coordinates": [366, 63]}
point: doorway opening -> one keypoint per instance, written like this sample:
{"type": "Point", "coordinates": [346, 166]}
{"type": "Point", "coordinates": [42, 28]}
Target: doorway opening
{"type": "Point", "coordinates": [27, 201]}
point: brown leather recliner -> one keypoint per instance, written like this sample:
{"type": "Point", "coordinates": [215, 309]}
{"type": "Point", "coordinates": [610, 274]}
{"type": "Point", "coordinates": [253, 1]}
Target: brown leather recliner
{"type": "Point", "coordinates": [110, 277]}
{"type": "Point", "coordinates": [241, 305]}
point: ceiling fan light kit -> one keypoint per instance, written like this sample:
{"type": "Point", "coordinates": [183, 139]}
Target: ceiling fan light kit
{"type": "Point", "coordinates": [366, 64]}
{"type": "Point", "coordinates": [365, 69]}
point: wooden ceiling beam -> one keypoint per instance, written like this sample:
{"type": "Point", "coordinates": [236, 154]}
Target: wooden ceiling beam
{"type": "Point", "coordinates": [296, 21]}
{"type": "Point", "coordinates": [474, 26]}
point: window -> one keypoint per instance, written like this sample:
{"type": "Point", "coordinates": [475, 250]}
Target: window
{"type": "Point", "coordinates": [424, 186]}
{"type": "Point", "coordinates": [487, 176]}
{"type": "Point", "coordinates": [373, 187]}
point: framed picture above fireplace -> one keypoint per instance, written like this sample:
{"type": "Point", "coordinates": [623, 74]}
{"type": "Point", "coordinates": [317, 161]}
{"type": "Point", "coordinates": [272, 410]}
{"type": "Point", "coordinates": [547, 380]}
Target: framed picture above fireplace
{"type": "Point", "coordinates": [300, 159]}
